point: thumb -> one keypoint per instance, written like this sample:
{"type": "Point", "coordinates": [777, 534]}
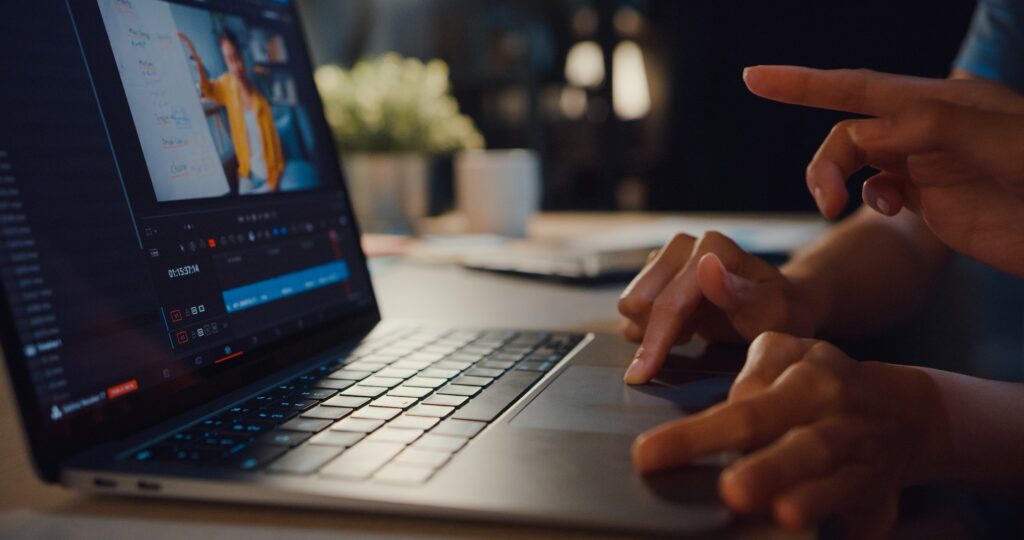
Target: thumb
{"type": "Point", "coordinates": [724, 289]}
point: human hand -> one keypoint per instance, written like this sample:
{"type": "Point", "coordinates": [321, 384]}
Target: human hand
{"type": "Point", "coordinates": [711, 287]}
{"type": "Point", "coordinates": [189, 44]}
{"type": "Point", "coordinates": [826, 435]}
{"type": "Point", "coordinates": [949, 151]}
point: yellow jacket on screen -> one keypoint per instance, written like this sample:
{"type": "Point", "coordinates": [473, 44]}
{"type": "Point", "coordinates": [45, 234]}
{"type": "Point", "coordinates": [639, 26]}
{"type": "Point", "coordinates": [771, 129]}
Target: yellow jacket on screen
{"type": "Point", "coordinates": [226, 91]}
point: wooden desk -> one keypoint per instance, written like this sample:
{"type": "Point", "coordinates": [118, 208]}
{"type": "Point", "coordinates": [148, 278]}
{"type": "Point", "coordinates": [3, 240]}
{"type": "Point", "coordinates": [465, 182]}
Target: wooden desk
{"type": "Point", "coordinates": [405, 292]}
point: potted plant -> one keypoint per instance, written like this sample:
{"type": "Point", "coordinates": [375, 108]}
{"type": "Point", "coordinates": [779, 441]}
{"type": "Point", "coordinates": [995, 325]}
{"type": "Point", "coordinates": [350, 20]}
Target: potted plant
{"type": "Point", "coordinates": [391, 116]}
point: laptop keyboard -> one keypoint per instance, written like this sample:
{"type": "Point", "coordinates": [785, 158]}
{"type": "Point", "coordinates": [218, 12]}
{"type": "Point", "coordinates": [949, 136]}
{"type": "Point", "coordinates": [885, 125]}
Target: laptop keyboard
{"type": "Point", "coordinates": [396, 409]}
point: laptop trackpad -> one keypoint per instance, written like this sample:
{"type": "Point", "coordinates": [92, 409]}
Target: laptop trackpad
{"type": "Point", "coordinates": [594, 399]}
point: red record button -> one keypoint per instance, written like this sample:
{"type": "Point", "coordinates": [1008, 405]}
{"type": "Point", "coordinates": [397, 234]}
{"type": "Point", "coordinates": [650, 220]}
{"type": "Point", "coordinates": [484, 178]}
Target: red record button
{"type": "Point", "coordinates": [119, 390]}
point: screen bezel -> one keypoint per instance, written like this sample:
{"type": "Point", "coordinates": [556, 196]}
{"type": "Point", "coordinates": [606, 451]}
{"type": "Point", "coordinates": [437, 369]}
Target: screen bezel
{"type": "Point", "coordinates": [130, 414]}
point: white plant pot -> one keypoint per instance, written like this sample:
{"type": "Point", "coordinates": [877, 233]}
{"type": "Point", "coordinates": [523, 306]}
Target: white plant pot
{"type": "Point", "coordinates": [389, 192]}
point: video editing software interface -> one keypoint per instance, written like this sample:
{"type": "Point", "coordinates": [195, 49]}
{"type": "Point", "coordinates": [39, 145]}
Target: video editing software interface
{"type": "Point", "coordinates": [167, 202]}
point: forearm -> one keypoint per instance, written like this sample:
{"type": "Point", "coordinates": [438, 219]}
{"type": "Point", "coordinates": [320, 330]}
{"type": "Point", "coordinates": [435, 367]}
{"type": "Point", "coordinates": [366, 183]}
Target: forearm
{"type": "Point", "coordinates": [867, 273]}
{"type": "Point", "coordinates": [205, 86]}
{"type": "Point", "coordinates": [979, 440]}
{"type": "Point", "coordinates": [204, 81]}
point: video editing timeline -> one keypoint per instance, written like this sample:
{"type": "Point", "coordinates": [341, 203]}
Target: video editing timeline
{"type": "Point", "coordinates": [233, 280]}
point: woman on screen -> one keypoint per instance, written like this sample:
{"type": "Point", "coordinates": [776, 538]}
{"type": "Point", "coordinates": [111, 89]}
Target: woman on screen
{"type": "Point", "coordinates": [256, 141]}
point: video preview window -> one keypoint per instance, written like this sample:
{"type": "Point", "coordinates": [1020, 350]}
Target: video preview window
{"type": "Point", "coordinates": [213, 99]}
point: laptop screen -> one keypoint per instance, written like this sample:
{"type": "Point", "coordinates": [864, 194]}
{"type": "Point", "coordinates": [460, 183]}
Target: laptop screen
{"type": "Point", "coordinates": [170, 200]}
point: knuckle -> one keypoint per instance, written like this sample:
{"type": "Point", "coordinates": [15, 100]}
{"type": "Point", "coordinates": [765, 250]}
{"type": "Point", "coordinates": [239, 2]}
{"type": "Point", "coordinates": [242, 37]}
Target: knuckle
{"type": "Point", "coordinates": [634, 305]}
{"type": "Point", "coordinates": [713, 238]}
{"type": "Point", "coordinates": [719, 244]}
{"type": "Point", "coordinates": [808, 437]}
{"type": "Point", "coordinates": [771, 338]}
{"type": "Point", "coordinates": [680, 240]}
{"type": "Point", "coordinates": [742, 389]}
{"type": "Point", "coordinates": [631, 331]}
{"type": "Point", "coordinates": [822, 378]}
{"type": "Point", "coordinates": [928, 116]}
{"type": "Point", "coordinates": [746, 424]}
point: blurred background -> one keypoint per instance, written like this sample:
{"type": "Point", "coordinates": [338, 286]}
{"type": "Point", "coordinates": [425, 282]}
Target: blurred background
{"type": "Point", "coordinates": [639, 104]}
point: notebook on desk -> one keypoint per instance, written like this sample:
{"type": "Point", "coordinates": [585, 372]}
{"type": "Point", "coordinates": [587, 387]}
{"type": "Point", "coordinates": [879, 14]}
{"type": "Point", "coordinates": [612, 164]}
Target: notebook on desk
{"type": "Point", "coordinates": [189, 312]}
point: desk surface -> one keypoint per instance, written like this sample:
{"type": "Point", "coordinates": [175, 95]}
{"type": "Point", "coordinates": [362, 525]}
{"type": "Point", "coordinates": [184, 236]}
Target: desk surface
{"type": "Point", "coordinates": [405, 291]}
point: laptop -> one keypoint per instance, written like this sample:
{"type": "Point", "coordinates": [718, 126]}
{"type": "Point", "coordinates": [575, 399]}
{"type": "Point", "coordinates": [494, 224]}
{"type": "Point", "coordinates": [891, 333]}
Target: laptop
{"type": "Point", "coordinates": [188, 312]}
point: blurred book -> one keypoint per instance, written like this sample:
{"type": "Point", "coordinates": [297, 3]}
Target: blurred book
{"type": "Point", "coordinates": [613, 254]}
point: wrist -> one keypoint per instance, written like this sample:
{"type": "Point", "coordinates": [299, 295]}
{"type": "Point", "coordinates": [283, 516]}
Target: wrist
{"type": "Point", "coordinates": [922, 416]}
{"type": "Point", "coordinates": [811, 300]}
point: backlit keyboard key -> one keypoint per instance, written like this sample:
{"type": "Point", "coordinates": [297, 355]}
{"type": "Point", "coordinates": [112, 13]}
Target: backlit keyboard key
{"type": "Point", "coordinates": [454, 364]}
{"type": "Point", "coordinates": [445, 400]}
{"type": "Point", "coordinates": [497, 364]}
{"type": "Point", "coordinates": [383, 382]}
{"type": "Point", "coordinates": [394, 402]}
{"type": "Point", "coordinates": [423, 457]}
{"type": "Point", "coordinates": [350, 402]}
{"type": "Point", "coordinates": [459, 428]}
{"type": "Point", "coordinates": [282, 438]}
{"type": "Point", "coordinates": [304, 459]}
{"type": "Point", "coordinates": [342, 439]}
{"type": "Point", "coordinates": [439, 373]}
{"type": "Point", "coordinates": [253, 458]}
{"type": "Point", "coordinates": [363, 391]}
{"type": "Point", "coordinates": [350, 374]}
{"type": "Point", "coordinates": [459, 390]}
{"type": "Point", "coordinates": [402, 474]}
{"type": "Point", "coordinates": [308, 425]}
{"type": "Point", "coordinates": [467, 380]}
{"type": "Point", "coordinates": [362, 460]}
{"type": "Point", "coordinates": [412, 364]}
{"type": "Point", "coordinates": [318, 394]}
{"type": "Point", "coordinates": [333, 384]}
{"type": "Point", "coordinates": [397, 373]}
{"type": "Point", "coordinates": [425, 382]}
{"type": "Point", "coordinates": [358, 425]}
{"type": "Point", "coordinates": [484, 372]}
{"type": "Point", "coordinates": [376, 413]}
{"type": "Point", "coordinates": [433, 441]}
{"type": "Point", "coordinates": [393, 435]}
{"type": "Point", "coordinates": [413, 422]}
{"type": "Point", "coordinates": [435, 411]}
{"type": "Point", "coordinates": [327, 413]}
{"type": "Point", "coordinates": [409, 391]}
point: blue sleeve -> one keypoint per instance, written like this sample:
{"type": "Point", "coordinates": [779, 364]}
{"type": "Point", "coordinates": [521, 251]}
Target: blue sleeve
{"type": "Point", "coordinates": [994, 46]}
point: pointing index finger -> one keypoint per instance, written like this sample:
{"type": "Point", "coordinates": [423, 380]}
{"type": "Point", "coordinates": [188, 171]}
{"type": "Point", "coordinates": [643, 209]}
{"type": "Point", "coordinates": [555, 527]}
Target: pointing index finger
{"type": "Point", "coordinates": [857, 91]}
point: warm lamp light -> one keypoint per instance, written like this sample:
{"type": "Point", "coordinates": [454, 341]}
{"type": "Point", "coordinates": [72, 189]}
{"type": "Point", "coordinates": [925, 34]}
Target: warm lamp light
{"type": "Point", "coordinates": [631, 95]}
{"type": "Point", "coordinates": [584, 65]}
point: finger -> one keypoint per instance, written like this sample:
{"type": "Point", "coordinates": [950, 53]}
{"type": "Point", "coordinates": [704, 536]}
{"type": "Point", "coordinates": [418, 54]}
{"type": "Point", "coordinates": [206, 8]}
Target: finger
{"type": "Point", "coordinates": [837, 159]}
{"type": "Point", "coordinates": [815, 500]}
{"type": "Point", "coordinates": [671, 313]}
{"type": "Point", "coordinates": [734, 425]}
{"type": "Point", "coordinates": [868, 92]}
{"type": "Point", "coordinates": [768, 356]}
{"type": "Point", "coordinates": [724, 289]}
{"type": "Point", "coordinates": [802, 454]}
{"type": "Point", "coordinates": [638, 297]}
{"type": "Point", "coordinates": [631, 331]}
{"type": "Point", "coordinates": [883, 192]}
